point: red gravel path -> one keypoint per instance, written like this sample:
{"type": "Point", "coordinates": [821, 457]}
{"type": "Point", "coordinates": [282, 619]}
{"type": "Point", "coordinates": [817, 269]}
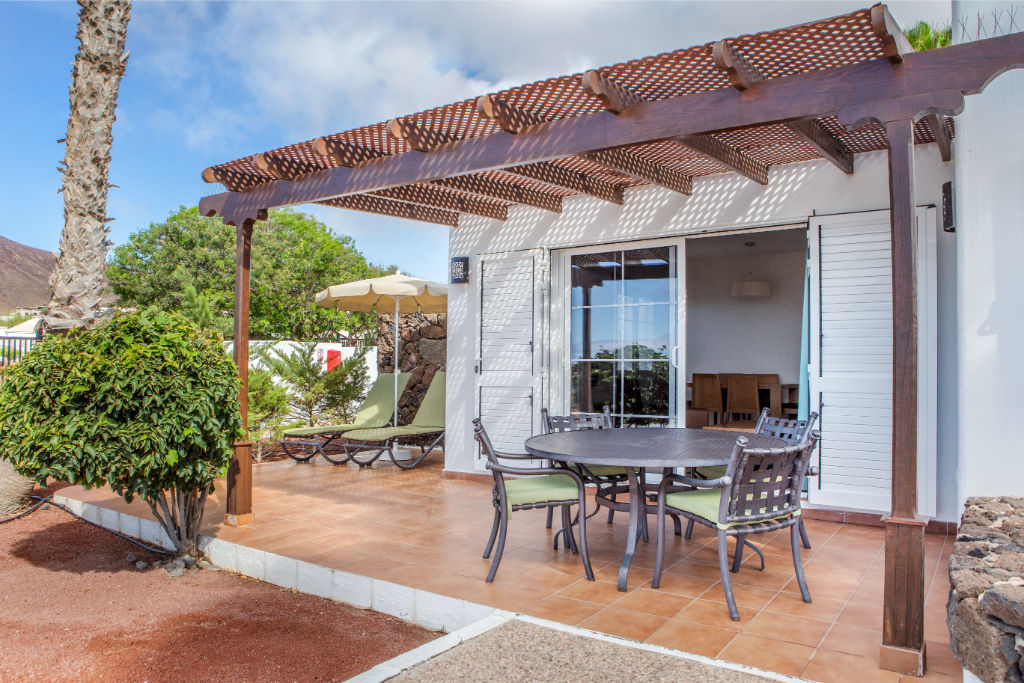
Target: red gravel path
{"type": "Point", "coordinates": [72, 609]}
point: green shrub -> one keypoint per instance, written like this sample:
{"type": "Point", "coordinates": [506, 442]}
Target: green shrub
{"type": "Point", "coordinates": [146, 403]}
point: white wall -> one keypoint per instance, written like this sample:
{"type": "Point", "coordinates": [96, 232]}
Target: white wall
{"type": "Point", "coordinates": [755, 336]}
{"type": "Point", "coordinates": [721, 202]}
{"type": "Point", "coordinates": [989, 152]}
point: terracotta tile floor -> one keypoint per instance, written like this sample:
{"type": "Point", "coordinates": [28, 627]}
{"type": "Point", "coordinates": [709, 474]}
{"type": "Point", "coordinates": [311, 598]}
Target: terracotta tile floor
{"type": "Point", "coordinates": [418, 529]}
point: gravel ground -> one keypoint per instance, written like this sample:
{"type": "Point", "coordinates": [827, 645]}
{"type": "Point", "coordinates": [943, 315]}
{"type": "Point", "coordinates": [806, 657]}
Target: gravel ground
{"type": "Point", "coordinates": [520, 651]}
{"type": "Point", "coordinates": [75, 609]}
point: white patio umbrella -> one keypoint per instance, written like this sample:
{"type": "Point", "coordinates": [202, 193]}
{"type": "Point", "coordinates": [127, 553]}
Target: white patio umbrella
{"type": "Point", "coordinates": [402, 293]}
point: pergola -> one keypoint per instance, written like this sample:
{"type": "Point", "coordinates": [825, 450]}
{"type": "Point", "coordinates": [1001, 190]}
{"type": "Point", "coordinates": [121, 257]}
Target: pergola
{"type": "Point", "coordinates": [829, 89]}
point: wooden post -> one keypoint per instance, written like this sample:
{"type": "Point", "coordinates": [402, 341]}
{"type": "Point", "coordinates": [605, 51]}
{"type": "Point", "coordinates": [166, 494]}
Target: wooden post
{"type": "Point", "coordinates": [239, 497]}
{"type": "Point", "coordinates": [903, 647]}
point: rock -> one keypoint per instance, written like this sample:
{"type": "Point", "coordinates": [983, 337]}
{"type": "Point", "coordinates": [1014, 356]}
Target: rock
{"type": "Point", "coordinates": [203, 564]}
{"type": "Point", "coordinates": [433, 332]}
{"type": "Point", "coordinates": [175, 567]}
{"type": "Point", "coordinates": [129, 558]}
{"type": "Point", "coordinates": [977, 643]}
{"type": "Point", "coordinates": [969, 583]}
{"type": "Point", "coordinates": [190, 562]}
{"type": "Point", "coordinates": [140, 565]}
{"type": "Point", "coordinates": [176, 572]}
{"type": "Point", "coordinates": [1005, 601]}
{"type": "Point", "coordinates": [433, 351]}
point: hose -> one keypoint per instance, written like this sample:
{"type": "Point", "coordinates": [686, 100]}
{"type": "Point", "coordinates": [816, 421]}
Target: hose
{"type": "Point", "coordinates": [49, 499]}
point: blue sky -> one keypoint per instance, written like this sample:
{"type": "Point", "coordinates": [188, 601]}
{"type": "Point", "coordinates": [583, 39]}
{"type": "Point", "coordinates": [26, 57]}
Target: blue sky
{"type": "Point", "coordinates": [210, 82]}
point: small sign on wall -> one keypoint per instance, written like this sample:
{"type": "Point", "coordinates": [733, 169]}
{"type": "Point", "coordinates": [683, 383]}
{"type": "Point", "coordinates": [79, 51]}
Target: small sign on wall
{"type": "Point", "coordinates": [459, 270]}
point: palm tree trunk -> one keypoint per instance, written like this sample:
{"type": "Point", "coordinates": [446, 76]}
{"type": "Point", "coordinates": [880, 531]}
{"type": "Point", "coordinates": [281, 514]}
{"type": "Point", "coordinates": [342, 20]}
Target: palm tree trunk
{"type": "Point", "coordinates": [78, 279]}
{"type": "Point", "coordinates": [14, 490]}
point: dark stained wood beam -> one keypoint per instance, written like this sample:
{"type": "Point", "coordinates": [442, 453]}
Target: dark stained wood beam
{"type": "Point", "coordinates": [743, 75]}
{"type": "Point", "coordinates": [430, 195]}
{"type": "Point", "coordinates": [419, 138]}
{"type": "Point", "coordinates": [552, 174]}
{"type": "Point", "coordinates": [234, 181]}
{"type": "Point", "coordinates": [728, 156]}
{"type": "Point", "coordinates": [937, 123]}
{"type": "Point", "coordinates": [643, 168]}
{"type": "Point", "coordinates": [345, 153]}
{"type": "Point", "coordinates": [509, 192]}
{"type": "Point", "coordinates": [894, 42]}
{"type": "Point", "coordinates": [283, 168]}
{"type": "Point", "coordinates": [613, 96]}
{"type": "Point", "coordinates": [389, 207]}
{"type": "Point", "coordinates": [903, 646]}
{"type": "Point", "coordinates": [965, 69]}
{"type": "Point", "coordinates": [515, 120]}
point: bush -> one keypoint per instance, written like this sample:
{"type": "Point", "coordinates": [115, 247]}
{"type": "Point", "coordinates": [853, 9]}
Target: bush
{"type": "Point", "coordinates": [314, 393]}
{"type": "Point", "coordinates": [146, 403]}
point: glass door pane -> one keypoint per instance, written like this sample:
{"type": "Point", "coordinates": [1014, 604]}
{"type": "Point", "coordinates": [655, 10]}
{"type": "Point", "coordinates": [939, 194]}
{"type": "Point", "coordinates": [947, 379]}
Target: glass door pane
{"type": "Point", "coordinates": [623, 326]}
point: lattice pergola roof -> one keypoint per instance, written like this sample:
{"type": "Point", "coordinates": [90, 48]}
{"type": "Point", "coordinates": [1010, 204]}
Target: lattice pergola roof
{"type": "Point", "coordinates": [861, 36]}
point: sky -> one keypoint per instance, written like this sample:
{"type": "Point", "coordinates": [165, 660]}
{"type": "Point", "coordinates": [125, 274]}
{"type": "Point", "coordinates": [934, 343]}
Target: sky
{"type": "Point", "coordinates": [211, 82]}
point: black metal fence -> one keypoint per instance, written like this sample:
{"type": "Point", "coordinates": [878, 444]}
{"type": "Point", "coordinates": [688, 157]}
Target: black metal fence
{"type": "Point", "coordinates": [13, 348]}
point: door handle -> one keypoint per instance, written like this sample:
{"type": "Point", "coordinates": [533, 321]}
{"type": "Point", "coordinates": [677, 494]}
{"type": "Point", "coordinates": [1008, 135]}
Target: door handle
{"type": "Point", "coordinates": [674, 356]}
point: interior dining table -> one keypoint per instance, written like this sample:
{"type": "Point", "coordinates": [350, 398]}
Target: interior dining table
{"type": "Point", "coordinates": [638, 450]}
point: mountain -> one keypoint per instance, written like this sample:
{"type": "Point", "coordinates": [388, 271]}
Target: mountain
{"type": "Point", "coordinates": [24, 275]}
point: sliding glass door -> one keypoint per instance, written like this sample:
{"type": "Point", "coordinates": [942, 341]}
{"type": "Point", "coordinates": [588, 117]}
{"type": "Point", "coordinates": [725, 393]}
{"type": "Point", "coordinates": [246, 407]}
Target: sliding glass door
{"type": "Point", "coordinates": [623, 330]}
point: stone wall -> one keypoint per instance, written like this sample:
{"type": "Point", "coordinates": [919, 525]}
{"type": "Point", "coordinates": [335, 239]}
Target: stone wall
{"type": "Point", "coordinates": [985, 612]}
{"type": "Point", "coordinates": [424, 339]}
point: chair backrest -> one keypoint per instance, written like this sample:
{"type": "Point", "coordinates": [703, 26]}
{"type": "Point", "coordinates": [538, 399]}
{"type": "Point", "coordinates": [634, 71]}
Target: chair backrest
{"type": "Point", "coordinates": [742, 396]}
{"type": "Point", "coordinates": [574, 423]}
{"type": "Point", "coordinates": [431, 411]}
{"type": "Point", "coordinates": [496, 467]}
{"type": "Point", "coordinates": [766, 482]}
{"type": "Point", "coordinates": [379, 405]}
{"type": "Point", "coordinates": [790, 431]}
{"type": "Point", "coordinates": [707, 392]}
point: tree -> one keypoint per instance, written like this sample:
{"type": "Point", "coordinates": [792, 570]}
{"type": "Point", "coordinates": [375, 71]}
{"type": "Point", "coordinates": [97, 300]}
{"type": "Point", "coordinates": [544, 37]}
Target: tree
{"type": "Point", "coordinates": [267, 405]}
{"type": "Point", "coordinates": [146, 403]}
{"type": "Point", "coordinates": [294, 256]}
{"type": "Point", "coordinates": [77, 280]}
{"type": "Point", "coordinates": [924, 36]}
{"type": "Point", "coordinates": [314, 393]}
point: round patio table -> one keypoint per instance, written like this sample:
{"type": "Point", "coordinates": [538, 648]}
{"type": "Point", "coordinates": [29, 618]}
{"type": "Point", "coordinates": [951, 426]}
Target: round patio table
{"type": "Point", "coordinates": [641, 449]}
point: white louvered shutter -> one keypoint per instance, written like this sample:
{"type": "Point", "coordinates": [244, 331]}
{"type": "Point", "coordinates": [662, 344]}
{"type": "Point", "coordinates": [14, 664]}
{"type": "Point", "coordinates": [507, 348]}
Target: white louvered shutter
{"type": "Point", "coordinates": [508, 361]}
{"type": "Point", "coordinates": [851, 363]}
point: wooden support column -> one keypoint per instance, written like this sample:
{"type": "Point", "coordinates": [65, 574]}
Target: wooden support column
{"type": "Point", "coordinates": [903, 647]}
{"type": "Point", "coordinates": [239, 496]}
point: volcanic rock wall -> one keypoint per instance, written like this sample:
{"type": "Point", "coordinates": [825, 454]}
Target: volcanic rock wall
{"type": "Point", "coordinates": [424, 340]}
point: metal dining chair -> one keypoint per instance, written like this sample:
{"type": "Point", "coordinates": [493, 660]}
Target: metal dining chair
{"type": "Point", "coordinates": [759, 492]}
{"type": "Point", "coordinates": [546, 487]}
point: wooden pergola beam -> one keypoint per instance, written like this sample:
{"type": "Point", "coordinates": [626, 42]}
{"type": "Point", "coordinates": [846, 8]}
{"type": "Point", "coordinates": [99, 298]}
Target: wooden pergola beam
{"type": "Point", "coordinates": [419, 138]}
{"type": "Point", "coordinates": [894, 42]}
{"type": "Point", "coordinates": [613, 96]}
{"type": "Point", "coordinates": [429, 195]}
{"type": "Point", "coordinates": [234, 181]}
{"type": "Point", "coordinates": [942, 138]}
{"type": "Point", "coordinates": [552, 174]}
{"type": "Point", "coordinates": [509, 192]}
{"type": "Point", "coordinates": [390, 207]}
{"type": "Point", "coordinates": [283, 168]}
{"type": "Point", "coordinates": [743, 75]}
{"type": "Point", "coordinates": [960, 69]}
{"type": "Point", "coordinates": [515, 120]}
{"type": "Point", "coordinates": [345, 153]}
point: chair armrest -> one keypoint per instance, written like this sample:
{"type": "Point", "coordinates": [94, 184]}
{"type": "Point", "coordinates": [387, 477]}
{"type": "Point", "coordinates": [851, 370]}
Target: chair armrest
{"type": "Point", "coordinates": [695, 483]}
{"type": "Point", "coordinates": [516, 456]}
{"type": "Point", "coordinates": [812, 471]}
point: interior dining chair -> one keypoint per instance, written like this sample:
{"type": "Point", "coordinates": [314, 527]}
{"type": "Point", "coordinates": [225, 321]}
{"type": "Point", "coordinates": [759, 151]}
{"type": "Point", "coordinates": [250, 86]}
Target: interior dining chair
{"type": "Point", "coordinates": [602, 476]}
{"type": "Point", "coordinates": [760, 492]}
{"type": "Point", "coordinates": [545, 487]}
{"type": "Point", "coordinates": [741, 398]}
{"type": "Point", "coordinates": [791, 432]}
{"type": "Point", "coordinates": [707, 395]}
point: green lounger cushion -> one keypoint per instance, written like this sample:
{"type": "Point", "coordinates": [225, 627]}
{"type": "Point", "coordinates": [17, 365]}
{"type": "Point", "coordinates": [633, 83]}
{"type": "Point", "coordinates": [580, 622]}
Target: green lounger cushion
{"type": "Point", "coordinates": [377, 409]}
{"type": "Point", "coordinates": [704, 503]}
{"type": "Point", "coordinates": [385, 433]}
{"type": "Point", "coordinates": [541, 489]}
{"type": "Point", "coordinates": [429, 418]}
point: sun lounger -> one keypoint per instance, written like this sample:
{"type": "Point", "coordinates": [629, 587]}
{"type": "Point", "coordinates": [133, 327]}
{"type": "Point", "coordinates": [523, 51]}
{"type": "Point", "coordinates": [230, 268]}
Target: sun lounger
{"type": "Point", "coordinates": [378, 410]}
{"type": "Point", "coordinates": [429, 421]}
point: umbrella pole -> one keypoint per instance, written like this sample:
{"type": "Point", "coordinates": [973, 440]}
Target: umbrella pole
{"type": "Point", "coordinates": [398, 300]}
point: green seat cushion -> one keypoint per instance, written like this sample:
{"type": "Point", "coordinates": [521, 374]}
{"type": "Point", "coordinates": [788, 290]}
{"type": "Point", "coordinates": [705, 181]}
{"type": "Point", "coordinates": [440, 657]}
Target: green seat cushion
{"type": "Point", "coordinates": [715, 472]}
{"type": "Point", "coordinates": [601, 470]}
{"type": "Point", "coordinates": [379, 405]}
{"type": "Point", "coordinates": [385, 433]}
{"type": "Point", "coordinates": [431, 411]}
{"type": "Point", "coordinates": [704, 503]}
{"type": "Point", "coordinates": [541, 489]}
